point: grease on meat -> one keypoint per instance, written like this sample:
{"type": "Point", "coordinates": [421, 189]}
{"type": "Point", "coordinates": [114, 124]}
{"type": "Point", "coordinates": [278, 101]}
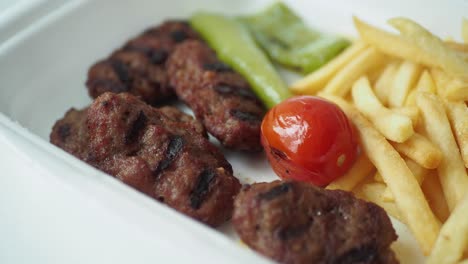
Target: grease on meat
{"type": "Point", "coordinates": [295, 222]}
{"type": "Point", "coordinates": [219, 97]}
{"type": "Point", "coordinates": [139, 66]}
{"type": "Point", "coordinates": [161, 152]}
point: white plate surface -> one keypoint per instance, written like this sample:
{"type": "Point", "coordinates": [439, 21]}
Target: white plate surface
{"type": "Point", "coordinates": [56, 209]}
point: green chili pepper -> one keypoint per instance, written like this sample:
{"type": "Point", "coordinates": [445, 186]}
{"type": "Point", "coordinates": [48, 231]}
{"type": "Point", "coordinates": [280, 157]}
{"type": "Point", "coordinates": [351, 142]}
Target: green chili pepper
{"type": "Point", "coordinates": [235, 46]}
{"type": "Point", "coordinates": [288, 41]}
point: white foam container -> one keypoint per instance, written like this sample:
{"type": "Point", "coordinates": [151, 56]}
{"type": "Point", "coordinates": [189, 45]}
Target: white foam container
{"type": "Point", "coordinates": [56, 209]}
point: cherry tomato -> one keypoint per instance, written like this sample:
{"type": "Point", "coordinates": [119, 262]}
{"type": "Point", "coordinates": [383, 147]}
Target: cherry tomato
{"type": "Point", "coordinates": [308, 138]}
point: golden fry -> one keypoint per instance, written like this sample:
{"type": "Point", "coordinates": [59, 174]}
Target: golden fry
{"type": "Point", "coordinates": [418, 172]}
{"type": "Point", "coordinates": [393, 126]}
{"type": "Point", "coordinates": [383, 85]}
{"type": "Point", "coordinates": [450, 88]}
{"type": "Point", "coordinates": [358, 172]}
{"type": "Point", "coordinates": [316, 80]}
{"type": "Point", "coordinates": [410, 111]}
{"type": "Point", "coordinates": [392, 44]}
{"type": "Point", "coordinates": [340, 84]}
{"type": "Point", "coordinates": [378, 177]}
{"type": "Point", "coordinates": [453, 237]}
{"type": "Point", "coordinates": [405, 78]}
{"type": "Point", "coordinates": [409, 198]}
{"type": "Point", "coordinates": [425, 84]}
{"type": "Point", "coordinates": [435, 196]}
{"type": "Point", "coordinates": [458, 115]}
{"type": "Point", "coordinates": [443, 56]}
{"type": "Point", "coordinates": [460, 47]}
{"type": "Point", "coordinates": [421, 150]}
{"type": "Point", "coordinates": [451, 170]}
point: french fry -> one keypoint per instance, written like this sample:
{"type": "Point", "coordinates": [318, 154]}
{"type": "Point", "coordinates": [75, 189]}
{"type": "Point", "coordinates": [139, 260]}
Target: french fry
{"type": "Point", "coordinates": [465, 30]}
{"type": "Point", "coordinates": [360, 170]}
{"type": "Point", "coordinates": [453, 237]}
{"type": "Point", "coordinates": [372, 192]}
{"type": "Point", "coordinates": [410, 111]}
{"type": "Point", "coordinates": [387, 196]}
{"type": "Point", "coordinates": [443, 56]}
{"type": "Point", "coordinates": [383, 85]}
{"type": "Point", "coordinates": [374, 74]}
{"type": "Point", "coordinates": [421, 150]}
{"type": "Point", "coordinates": [460, 48]}
{"type": "Point", "coordinates": [409, 198]}
{"type": "Point", "coordinates": [378, 177]}
{"type": "Point", "coordinates": [425, 84]}
{"type": "Point", "coordinates": [393, 126]}
{"type": "Point", "coordinates": [405, 78]}
{"type": "Point", "coordinates": [452, 173]}
{"type": "Point", "coordinates": [450, 88]}
{"type": "Point", "coordinates": [458, 116]}
{"type": "Point", "coordinates": [435, 196]}
{"type": "Point", "coordinates": [418, 172]}
{"type": "Point", "coordinates": [319, 78]}
{"type": "Point", "coordinates": [392, 44]}
{"type": "Point", "coordinates": [340, 84]}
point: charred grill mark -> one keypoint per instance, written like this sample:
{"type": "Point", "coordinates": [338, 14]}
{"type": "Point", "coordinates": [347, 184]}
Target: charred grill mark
{"type": "Point", "coordinates": [178, 36]}
{"type": "Point", "coordinates": [225, 89]}
{"type": "Point", "coordinates": [294, 231]}
{"type": "Point", "coordinates": [109, 85]}
{"type": "Point", "coordinates": [137, 48]}
{"type": "Point", "coordinates": [275, 192]}
{"type": "Point", "coordinates": [217, 67]}
{"type": "Point", "coordinates": [245, 116]}
{"type": "Point", "coordinates": [278, 154]}
{"type": "Point", "coordinates": [122, 71]}
{"type": "Point", "coordinates": [197, 196]}
{"type": "Point", "coordinates": [156, 56]}
{"type": "Point", "coordinates": [64, 131]}
{"type": "Point", "coordinates": [135, 128]}
{"type": "Point", "coordinates": [173, 149]}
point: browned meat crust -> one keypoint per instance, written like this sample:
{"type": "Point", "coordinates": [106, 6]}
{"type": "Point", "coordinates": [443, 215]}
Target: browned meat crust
{"type": "Point", "coordinates": [219, 97]}
{"type": "Point", "coordinates": [161, 152]}
{"type": "Point", "coordinates": [138, 67]}
{"type": "Point", "coordinates": [70, 133]}
{"type": "Point", "coordinates": [294, 222]}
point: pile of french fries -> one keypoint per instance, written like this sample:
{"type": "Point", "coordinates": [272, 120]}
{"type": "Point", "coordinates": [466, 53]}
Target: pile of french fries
{"type": "Point", "coordinates": [406, 95]}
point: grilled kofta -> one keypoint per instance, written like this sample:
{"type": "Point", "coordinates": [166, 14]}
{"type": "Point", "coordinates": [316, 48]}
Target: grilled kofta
{"type": "Point", "coordinates": [138, 67]}
{"type": "Point", "coordinates": [161, 152]}
{"type": "Point", "coordinates": [219, 97]}
{"type": "Point", "coordinates": [70, 133]}
{"type": "Point", "coordinates": [295, 222]}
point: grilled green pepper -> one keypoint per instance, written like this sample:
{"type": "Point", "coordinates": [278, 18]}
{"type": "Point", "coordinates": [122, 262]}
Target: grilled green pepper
{"type": "Point", "coordinates": [235, 46]}
{"type": "Point", "coordinates": [288, 41]}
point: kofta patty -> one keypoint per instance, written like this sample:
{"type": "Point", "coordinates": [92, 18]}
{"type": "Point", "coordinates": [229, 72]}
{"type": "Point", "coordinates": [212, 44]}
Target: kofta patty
{"type": "Point", "coordinates": [294, 222]}
{"type": "Point", "coordinates": [139, 66]}
{"type": "Point", "coordinates": [161, 152]}
{"type": "Point", "coordinates": [70, 133]}
{"type": "Point", "coordinates": [219, 97]}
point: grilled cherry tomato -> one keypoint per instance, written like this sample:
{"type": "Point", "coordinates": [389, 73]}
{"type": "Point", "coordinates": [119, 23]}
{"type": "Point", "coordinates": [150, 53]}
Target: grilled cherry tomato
{"type": "Point", "coordinates": [310, 139]}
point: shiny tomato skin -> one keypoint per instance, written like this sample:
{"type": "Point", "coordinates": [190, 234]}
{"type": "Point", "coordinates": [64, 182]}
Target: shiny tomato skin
{"type": "Point", "coordinates": [310, 139]}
